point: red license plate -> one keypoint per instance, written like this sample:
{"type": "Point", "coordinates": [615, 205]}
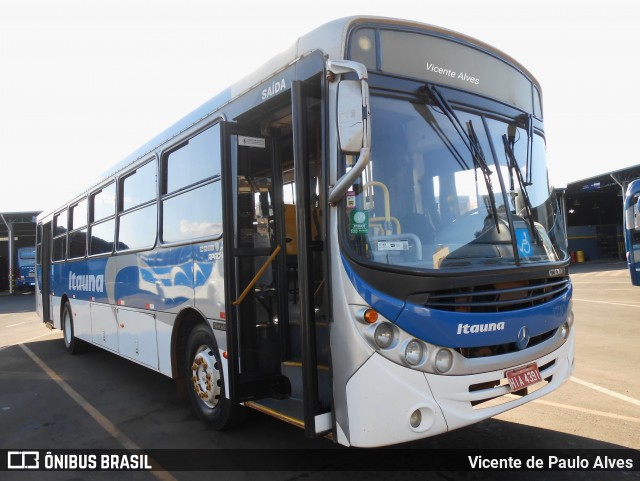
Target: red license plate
{"type": "Point", "coordinates": [523, 376]}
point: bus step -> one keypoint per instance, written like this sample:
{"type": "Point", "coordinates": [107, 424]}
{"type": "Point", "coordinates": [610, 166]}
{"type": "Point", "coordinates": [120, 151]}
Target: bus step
{"type": "Point", "coordinates": [293, 370]}
{"type": "Point", "coordinates": [254, 387]}
{"type": "Point", "coordinates": [290, 410]}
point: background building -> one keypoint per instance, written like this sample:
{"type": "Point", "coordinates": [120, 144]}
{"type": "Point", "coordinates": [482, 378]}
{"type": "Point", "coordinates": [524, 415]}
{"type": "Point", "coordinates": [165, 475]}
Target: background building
{"type": "Point", "coordinates": [595, 217]}
{"type": "Point", "coordinates": [17, 229]}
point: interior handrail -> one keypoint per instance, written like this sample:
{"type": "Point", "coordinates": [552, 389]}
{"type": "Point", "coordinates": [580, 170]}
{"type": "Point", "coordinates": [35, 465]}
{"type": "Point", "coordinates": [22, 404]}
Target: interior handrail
{"type": "Point", "coordinates": [257, 277]}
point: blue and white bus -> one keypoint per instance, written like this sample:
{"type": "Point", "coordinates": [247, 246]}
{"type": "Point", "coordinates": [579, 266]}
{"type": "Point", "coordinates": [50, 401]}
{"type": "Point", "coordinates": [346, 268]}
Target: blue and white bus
{"type": "Point", "coordinates": [632, 230]}
{"type": "Point", "coordinates": [359, 238]}
{"type": "Point", "coordinates": [26, 274]}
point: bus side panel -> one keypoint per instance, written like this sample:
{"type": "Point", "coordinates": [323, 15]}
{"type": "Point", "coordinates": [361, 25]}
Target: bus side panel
{"type": "Point", "coordinates": [164, 331]}
{"type": "Point", "coordinates": [137, 336]}
{"type": "Point", "coordinates": [104, 326]}
{"type": "Point", "coordinates": [208, 274]}
{"type": "Point", "coordinates": [56, 303]}
{"type": "Point", "coordinates": [81, 311]}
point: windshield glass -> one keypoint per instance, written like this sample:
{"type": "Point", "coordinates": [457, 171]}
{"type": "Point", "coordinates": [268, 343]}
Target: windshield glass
{"type": "Point", "coordinates": [426, 202]}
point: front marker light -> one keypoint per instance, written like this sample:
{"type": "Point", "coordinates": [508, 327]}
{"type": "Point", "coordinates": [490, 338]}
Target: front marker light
{"type": "Point", "coordinates": [564, 330]}
{"type": "Point", "coordinates": [383, 335]}
{"type": "Point", "coordinates": [413, 353]}
{"type": "Point", "coordinates": [370, 316]}
{"type": "Point", "coordinates": [415, 419]}
{"type": "Point", "coordinates": [444, 360]}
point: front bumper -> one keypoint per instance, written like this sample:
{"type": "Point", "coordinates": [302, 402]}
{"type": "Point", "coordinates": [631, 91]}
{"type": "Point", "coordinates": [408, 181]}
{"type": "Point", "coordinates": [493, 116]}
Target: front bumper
{"type": "Point", "coordinates": [382, 396]}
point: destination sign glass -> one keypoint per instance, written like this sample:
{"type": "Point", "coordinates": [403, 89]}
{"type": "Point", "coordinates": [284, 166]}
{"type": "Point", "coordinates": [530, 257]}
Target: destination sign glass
{"type": "Point", "coordinates": [445, 62]}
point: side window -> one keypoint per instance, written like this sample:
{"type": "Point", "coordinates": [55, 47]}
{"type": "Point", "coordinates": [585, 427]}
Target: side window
{"type": "Point", "coordinates": [193, 214]}
{"type": "Point", "coordinates": [194, 161]}
{"type": "Point", "coordinates": [191, 194]}
{"type": "Point", "coordinates": [139, 186]}
{"type": "Point", "coordinates": [138, 208]}
{"type": "Point", "coordinates": [103, 203]}
{"type": "Point", "coordinates": [60, 224]}
{"type": "Point", "coordinates": [537, 103]}
{"type": "Point", "coordinates": [78, 230]}
{"type": "Point", "coordinates": [103, 221]}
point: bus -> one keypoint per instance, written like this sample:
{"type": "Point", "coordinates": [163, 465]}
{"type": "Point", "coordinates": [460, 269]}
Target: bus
{"type": "Point", "coordinates": [632, 230]}
{"type": "Point", "coordinates": [359, 238]}
{"type": "Point", "coordinates": [26, 274]}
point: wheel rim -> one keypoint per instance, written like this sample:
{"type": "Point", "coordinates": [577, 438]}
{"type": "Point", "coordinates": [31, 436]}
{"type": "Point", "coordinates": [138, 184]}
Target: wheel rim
{"type": "Point", "coordinates": [67, 328]}
{"type": "Point", "coordinates": [205, 376]}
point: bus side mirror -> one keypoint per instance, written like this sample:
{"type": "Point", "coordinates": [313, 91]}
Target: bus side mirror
{"type": "Point", "coordinates": [353, 122]}
{"type": "Point", "coordinates": [351, 116]}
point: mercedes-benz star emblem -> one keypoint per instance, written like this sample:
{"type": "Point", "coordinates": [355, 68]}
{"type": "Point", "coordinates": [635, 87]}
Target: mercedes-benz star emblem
{"type": "Point", "coordinates": [523, 338]}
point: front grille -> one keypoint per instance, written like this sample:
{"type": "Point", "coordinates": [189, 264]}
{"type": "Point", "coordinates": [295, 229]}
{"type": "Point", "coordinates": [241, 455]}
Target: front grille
{"type": "Point", "coordinates": [501, 297]}
{"type": "Point", "coordinates": [500, 349]}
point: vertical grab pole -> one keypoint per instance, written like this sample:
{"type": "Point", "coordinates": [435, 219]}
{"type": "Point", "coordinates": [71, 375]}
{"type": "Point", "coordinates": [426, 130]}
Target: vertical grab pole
{"type": "Point", "coordinates": [307, 314]}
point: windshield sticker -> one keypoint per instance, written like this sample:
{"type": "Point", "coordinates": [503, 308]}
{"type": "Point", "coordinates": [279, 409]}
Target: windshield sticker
{"type": "Point", "coordinates": [397, 245]}
{"type": "Point", "coordinates": [351, 200]}
{"type": "Point", "coordinates": [359, 222]}
{"type": "Point", "coordinates": [252, 142]}
{"type": "Point", "coordinates": [523, 240]}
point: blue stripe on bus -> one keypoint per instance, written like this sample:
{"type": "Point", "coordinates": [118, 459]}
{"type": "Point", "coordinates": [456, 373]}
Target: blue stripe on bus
{"type": "Point", "coordinates": [166, 278]}
{"type": "Point", "coordinates": [463, 329]}
{"type": "Point", "coordinates": [388, 306]}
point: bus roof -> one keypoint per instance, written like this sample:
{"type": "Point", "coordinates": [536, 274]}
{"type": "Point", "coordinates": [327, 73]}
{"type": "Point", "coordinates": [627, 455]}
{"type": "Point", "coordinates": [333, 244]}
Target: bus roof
{"type": "Point", "coordinates": [329, 38]}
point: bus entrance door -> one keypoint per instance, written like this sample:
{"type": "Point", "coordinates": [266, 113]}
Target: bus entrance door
{"type": "Point", "coordinates": [254, 268]}
{"type": "Point", "coordinates": [43, 271]}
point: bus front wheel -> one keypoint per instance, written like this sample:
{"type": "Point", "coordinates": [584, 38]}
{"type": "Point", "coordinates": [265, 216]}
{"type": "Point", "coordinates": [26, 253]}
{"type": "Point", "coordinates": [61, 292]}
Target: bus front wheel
{"type": "Point", "coordinates": [205, 381]}
{"type": "Point", "coordinates": [71, 342]}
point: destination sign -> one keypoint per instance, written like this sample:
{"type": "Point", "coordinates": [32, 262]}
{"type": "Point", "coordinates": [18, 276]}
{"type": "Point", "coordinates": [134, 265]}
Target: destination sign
{"type": "Point", "coordinates": [447, 62]}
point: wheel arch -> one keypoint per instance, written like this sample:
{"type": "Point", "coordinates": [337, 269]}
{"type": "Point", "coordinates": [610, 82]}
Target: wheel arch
{"type": "Point", "coordinates": [64, 299]}
{"type": "Point", "coordinates": [186, 320]}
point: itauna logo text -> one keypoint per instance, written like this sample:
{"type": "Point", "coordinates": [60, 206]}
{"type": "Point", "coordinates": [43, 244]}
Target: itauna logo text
{"type": "Point", "coordinates": [477, 328]}
{"type": "Point", "coordinates": [86, 282]}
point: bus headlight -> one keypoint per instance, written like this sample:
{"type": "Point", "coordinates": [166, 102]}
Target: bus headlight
{"type": "Point", "coordinates": [444, 360]}
{"type": "Point", "coordinates": [383, 335]}
{"type": "Point", "coordinates": [413, 353]}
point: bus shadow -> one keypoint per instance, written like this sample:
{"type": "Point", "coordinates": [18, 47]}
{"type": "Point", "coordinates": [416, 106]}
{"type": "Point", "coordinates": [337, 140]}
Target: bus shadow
{"type": "Point", "coordinates": [146, 406]}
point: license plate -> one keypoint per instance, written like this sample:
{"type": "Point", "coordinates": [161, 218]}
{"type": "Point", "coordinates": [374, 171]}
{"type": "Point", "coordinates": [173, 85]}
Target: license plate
{"type": "Point", "coordinates": [523, 376]}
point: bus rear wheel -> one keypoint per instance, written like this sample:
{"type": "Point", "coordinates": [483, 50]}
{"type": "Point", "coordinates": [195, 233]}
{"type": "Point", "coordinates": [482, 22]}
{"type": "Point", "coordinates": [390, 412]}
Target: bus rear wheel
{"type": "Point", "coordinates": [205, 381]}
{"type": "Point", "coordinates": [71, 342]}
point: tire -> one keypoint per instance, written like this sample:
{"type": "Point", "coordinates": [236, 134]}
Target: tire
{"type": "Point", "coordinates": [205, 381]}
{"type": "Point", "coordinates": [71, 342]}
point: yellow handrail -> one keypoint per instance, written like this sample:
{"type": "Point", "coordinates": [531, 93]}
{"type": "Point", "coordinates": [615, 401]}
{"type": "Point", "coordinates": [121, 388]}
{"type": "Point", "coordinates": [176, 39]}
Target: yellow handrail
{"type": "Point", "coordinates": [391, 218]}
{"type": "Point", "coordinates": [257, 276]}
{"type": "Point", "coordinates": [387, 203]}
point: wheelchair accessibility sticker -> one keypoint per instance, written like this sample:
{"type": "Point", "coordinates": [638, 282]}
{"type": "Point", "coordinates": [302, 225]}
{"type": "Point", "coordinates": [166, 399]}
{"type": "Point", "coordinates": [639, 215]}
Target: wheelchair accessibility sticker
{"type": "Point", "coordinates": [523, 239]}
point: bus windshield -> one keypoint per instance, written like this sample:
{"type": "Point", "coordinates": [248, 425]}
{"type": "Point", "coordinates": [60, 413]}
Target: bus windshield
{"type": "Point", "coordinates": [26, 256]}
{"type": "Point", "coordinates": [445, 194]}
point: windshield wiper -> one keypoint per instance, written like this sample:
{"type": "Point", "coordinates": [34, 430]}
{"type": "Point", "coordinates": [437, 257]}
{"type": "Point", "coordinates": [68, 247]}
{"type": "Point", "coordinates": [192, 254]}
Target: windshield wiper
{"type": "Point", "coordinates": [526, 121]}
{"type": "Point", "coordinates": [479, 161]}
{"type": "Point", "coordinates": [471, 142]}
{"type": "Point", "coordinates": [514, 166]}
{"type": "Point", "coordinates": [426, 114]}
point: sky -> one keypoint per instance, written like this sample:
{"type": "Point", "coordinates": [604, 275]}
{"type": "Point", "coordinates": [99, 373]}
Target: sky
{"type": "Point", "coordinates": [83, 83]}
